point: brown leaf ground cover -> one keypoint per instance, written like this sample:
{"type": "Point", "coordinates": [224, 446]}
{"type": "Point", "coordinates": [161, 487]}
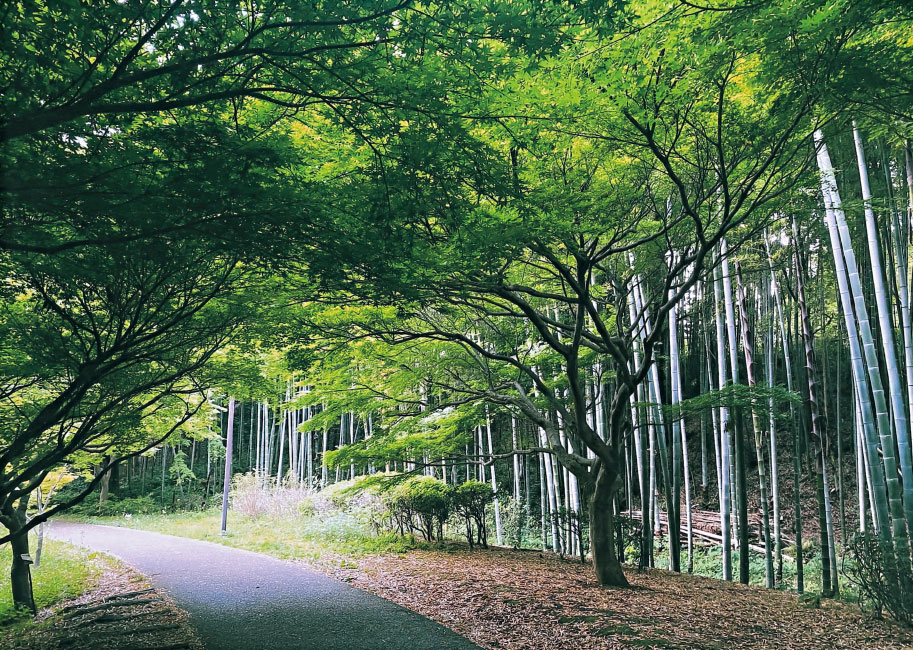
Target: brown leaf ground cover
{"type": "Point", "coordinates": [121, 612]}
{"type": "Point", "coordinates": [517, 600]}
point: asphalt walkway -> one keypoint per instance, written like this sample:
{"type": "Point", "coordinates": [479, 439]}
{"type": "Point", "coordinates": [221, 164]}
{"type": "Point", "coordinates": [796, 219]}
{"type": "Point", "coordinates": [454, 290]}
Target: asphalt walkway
{"type": "Point", "coordinates": [239, 600]}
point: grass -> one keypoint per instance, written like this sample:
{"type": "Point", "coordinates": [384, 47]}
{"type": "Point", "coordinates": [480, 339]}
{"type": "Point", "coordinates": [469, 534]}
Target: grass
{"type": "Point", "coordinates": [332, 524]}
{"type": "Point", "coordinates": [311, 537]}
{"type": "Point", "coordinates": [708, 562]}
{"type": "Point", "coordinates": [66, 571]}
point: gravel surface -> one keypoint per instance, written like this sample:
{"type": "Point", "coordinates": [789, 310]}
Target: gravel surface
{"type": "Point", "coordinates": [238, 600]}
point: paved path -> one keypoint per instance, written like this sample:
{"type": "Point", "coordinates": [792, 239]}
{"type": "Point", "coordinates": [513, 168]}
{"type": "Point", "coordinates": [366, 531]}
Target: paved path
{"type": "Point", "coordinates": [238, 600]}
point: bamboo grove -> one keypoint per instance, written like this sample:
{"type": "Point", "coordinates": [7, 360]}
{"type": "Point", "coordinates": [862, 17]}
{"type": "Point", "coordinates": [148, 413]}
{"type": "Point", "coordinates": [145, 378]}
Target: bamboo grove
{"type": "Point", "coordinates": [642, 267]}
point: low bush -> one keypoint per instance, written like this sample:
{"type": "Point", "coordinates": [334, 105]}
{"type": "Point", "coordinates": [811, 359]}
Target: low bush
{"type": "Point", "coordinates": [864, 564]}
{"type": "Point", "coordinates": [470, 501]}
{"type": "Point", "coordinates": [421, 503]}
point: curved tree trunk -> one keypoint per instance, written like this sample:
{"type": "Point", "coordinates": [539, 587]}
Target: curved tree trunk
{"type": "Point", "coordinates": [602, 530]}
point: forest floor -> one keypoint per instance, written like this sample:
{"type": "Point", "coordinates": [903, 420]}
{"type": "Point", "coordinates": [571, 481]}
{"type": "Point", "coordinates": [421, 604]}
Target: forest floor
{"type": "Point", "coordinates": [117, 611]}
{"type": "Point", "coordinates": [507, 599]}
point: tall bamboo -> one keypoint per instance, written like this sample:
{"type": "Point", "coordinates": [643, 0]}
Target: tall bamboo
{"type": "Point", "coordinates": [772, 429]}
{"type": "Point", "coordinates": [883, 475]}
{"type": "Point", "coordinates": [724, 438]}
{"type": "Point", "coordinates": [817, 424]}
{"type": "Point", "coordinates": [678, 431]}
{"type": "Point", "coordinates": [741, 483]}
{"type": "Point", "coordinates": [887, 334]}
{"type": "Point", "coordinates": [748, 351]}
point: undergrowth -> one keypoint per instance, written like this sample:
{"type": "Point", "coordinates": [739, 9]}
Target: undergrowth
{"type": "Point", "coordinates": [307, 535]}
{"type": "Point", "coordinates": [65, 572]}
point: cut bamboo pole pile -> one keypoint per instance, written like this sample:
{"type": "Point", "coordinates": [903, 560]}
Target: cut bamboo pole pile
{"type": "Point", "coordinates": [706, 527]}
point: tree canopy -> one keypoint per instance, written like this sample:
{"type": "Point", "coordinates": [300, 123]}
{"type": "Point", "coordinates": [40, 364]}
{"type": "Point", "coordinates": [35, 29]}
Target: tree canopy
{"type": "Point", "coordinates": [451, 217]}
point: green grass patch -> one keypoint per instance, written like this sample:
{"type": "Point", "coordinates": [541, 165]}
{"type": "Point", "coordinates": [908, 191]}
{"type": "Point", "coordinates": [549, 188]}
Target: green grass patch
{"type": "Point", "coordinates": [615, 630]}
{"type": "Point", "coordinates": [66, 571]}
{"type": "Point", "coordinates": [648, 643]}
{"type": "Point", "coordinates": [708, 562]}
{"type": "Point", "coordinates": [307, 536]}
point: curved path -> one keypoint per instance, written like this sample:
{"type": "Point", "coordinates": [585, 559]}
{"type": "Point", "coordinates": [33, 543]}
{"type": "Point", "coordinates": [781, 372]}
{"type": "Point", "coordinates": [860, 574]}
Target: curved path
{"type": "Point", "coordinates": [239, 600]}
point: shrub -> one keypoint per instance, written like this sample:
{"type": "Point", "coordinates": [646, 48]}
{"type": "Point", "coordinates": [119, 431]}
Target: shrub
{"type": "Point", "coordinates": [369, 507]}
{"type": "Point", "coordinates": [423, 503]}
{"type": "Point", "coordinates": [470, 501]}
{"type": "Point", "coordinates": [137, 505]}
{"type": "Point", "coordinates": [864, 564]}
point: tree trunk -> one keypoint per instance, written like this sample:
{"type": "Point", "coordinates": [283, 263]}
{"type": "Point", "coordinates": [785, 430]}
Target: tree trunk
{"type": "Point", "coordinates": [797, 442]}
{"type": "Point", "coordinates": [741, 485]}
{"type": "Point", "coordinates": [680, 470]}
{"type": "Point", "coordinates": [20, 575]}
{"type": "Point", "coordinates": [748, 351]}
{"type": "Point", "coordinates": [602, 531]}
{"type": "Point", "coordinates": [494, 482]}
{"type": "Point", "coordinates": [114, 480]}
{"type": "Point", "coordinates": [725, 514]}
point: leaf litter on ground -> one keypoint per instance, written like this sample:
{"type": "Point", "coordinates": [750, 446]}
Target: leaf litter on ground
{"type": "Point", "coordinates": [523, 600]}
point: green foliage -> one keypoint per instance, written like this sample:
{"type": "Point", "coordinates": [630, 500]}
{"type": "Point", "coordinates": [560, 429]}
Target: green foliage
{"type": "Point", "coordinates": [179, 471]}
{"type": "Point", "coordinates": [170, 223]}
{"type": "Point", "coordinates": [115, 506]}
{"type": "Point", "coordinates": [470, 501]}
{"type": "Point", "coordinates": [630, 531]}
{"type": "Point", "coordinates": [864, 564]}
{"type": "Point", "coordinates": [737, 395]}
{"type": "Point", "coordinates": [421, 502]}
{"type": "Point", "coordinates": [216, 449]}
{"type": "Point", "coordinates": [409, 504]}
{"type": "Point", "coordinates": [516, 522]}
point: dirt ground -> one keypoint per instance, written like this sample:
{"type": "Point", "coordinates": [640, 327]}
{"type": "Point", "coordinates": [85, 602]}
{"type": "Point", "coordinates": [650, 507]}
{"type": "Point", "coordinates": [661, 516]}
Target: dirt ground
{"type": "Point", "coordinates": [516, 600]}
